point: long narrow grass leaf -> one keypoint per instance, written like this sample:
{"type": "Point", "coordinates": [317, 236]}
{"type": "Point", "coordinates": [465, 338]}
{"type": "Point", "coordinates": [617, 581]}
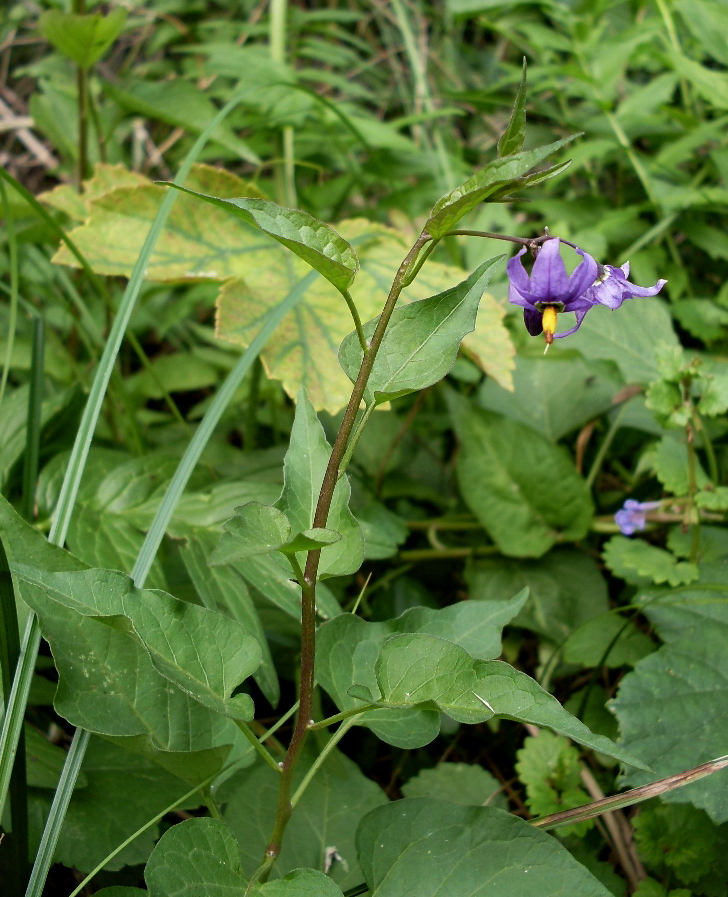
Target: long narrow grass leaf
{"type": "Point", "coordinates": [14, 286]}
{"type": "Point", "coordinates": [9, 654]}
{"type": "Point", "coordinates": [35, 399]}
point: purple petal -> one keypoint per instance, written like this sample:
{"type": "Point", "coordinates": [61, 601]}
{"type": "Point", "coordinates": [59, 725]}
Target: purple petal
{"type": "Point", "coordinates": [549, 279]}
{"type": "Point", "coordinates": [580, 314]}
{"type": "Point", "coordinates": [533, 321]}
{"type": "Point", "coordinates": [518, 277]}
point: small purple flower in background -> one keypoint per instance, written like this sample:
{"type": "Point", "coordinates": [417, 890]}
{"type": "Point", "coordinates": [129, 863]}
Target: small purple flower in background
{"type": "Point", "coordinates": [632, 516]}
{"type": "Point", "coordinates": [612, 287]}
{"type": "Point", "coordinates": [549, 290]}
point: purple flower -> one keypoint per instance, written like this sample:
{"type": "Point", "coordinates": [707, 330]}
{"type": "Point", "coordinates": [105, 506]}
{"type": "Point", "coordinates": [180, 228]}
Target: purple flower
{"type": "Point", "coordinates": [612, 287]}
{"type": "Point", "coordinates": [633, 515]}
{"type": "Point", "coordinates": [550, 290]}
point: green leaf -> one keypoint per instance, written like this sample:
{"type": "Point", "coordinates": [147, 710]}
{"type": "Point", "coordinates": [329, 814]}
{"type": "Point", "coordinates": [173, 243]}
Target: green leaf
{"type": "Point", "coordinates": [347, 649]}
{"type": "Point", "coordinates": [320, 834]}
{"type": "Point", "coordinates": [432, 849]}
{"type": "Point", "coordinates": [550, 769]}
{"type": "Point", "coordinates": [203, 653]}
{"type": "Point", "coordinates": [713, 498]}
{"type": "Point", "coordinates": [672, 466]}
{"type": "Point", "coordinates": [673, 707]}
{"type": "Point", "coordinates": [223, 589]}
{"type": "Point", "coordinates": [257, 529]}
{"type": "Point", "coordinates": [714, 399]}
{"type": "Point", "coordinates": [527, 498]}
{"type": "Point", "coordinates": [710, 84]}
{"type": "Point", "coordinates": [422, 340]}
{"type": "Point", "coordinates": [641, 564]}
{"type": "Point", "coordinates": [200, 857]}
{"type": "Point", "coordinates": [123, 792]}
{"type": "Point", "coordinates": [418, 669]}
{"type": "Point", "coordinates": [497, 179]}
{"type": "Point", "coordinates": [66, 198]}
{"type": "Point", "coordinates": [511, 141]}
{"type": "Point", "coordinates": [625, 643]}
{"type": "Point", "coordinates": [629, 336]}
{"type": "Point", "coordinates": [316, 243]}
{"type": "Point", "coordinates": [303, 474]}
{"type": "Point", "coordinates": [309, 539]}
{"type": "Point", "coordinates": [555, 394]}
{"type": "Point", "coordinates": [679, 838]}
{"type": "Point", "coordinates": [458, 783]}
{"type": "Point", "coordinates": [82, 38]}
{"type": "Point", "coordinates": [565, 589]}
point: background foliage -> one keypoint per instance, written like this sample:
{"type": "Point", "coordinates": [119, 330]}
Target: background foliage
{"type": "Point", "coordinates": [485, 501]}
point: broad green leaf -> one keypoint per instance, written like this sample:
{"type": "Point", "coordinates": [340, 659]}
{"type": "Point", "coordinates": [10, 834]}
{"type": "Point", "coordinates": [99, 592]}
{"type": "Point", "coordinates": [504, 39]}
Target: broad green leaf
{"type": "Point", "coordinates": [511, 141]}
{"type": "Point", "coordinates": [223, 589]}
{"type": "Point", "coordinates": [490, 346]}
{"type": "Point", "coordinates": [203, 653]}
{"type": "Point", "coordinates": [316, 243]}
{"type": "Point", "coordinates": [608, 639]}
{"type": "Point", "coordinates": [256, 529]}
{"type": "Point", "coordinates": [436, 849]}
{"type": "Point", "coordinates": [422, 340]}
{"type": "Point", "coordinates": [555, 394]}
{"type": "Point", "coordinates": [82, 38]}
{"type": "Point", "coordinates": [321, 832]}
{"type": "Point", "coordinates": [458, 783]}
{"type": "Point", "coordinates": [203, 242]}
{"type": "Point", "coordinates": [123, 792]}
{"type": "Point", "coordinates": [347, 648]}
{"type": "Point", "coordinates": [523, 489]}
{"type": "Point", "coordinates": [629, 336]}
{"type": "Point", "coordinates": [200, 857]}
{"type": "Point", "coordinates": [23, 543]}
{"type": "Point", "coordinates": [565, 589]}
{"type": "Point", "coordinates": [639, 563]}
{"type": "Point", "coordinates": [303, 474]}
{"type": "Point", "coordinates": [673, 707]}
{"type": "Point", "coordinates": [497, 179]}
{"type": "Point", "coordinates": [418, 669]}
{"type": "Point", "coordinates": [549, 766]}
{"type": "Point", "coordinates": [259, 529]}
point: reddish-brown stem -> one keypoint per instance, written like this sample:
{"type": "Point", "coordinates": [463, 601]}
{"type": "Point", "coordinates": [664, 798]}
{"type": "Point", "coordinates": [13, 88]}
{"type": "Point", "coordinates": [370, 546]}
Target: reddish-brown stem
{"type": "Point", "coordinates": [308, 585]}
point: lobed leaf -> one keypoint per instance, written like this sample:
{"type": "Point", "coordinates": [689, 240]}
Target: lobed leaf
{"type": "Point", "coordinates": [203, 653]}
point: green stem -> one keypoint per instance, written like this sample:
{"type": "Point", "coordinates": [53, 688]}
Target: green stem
{"type": "Point", "coordinates": [344, 715]}
{"type": "Point", "coordinates": [355, 438]}
{"type": "Point", "coordinates": [251, 413]}
{"type": "Point", "coordinates": [82, 84]}
{"type": "Point", "coordinates": [357, 320]}
{"type": "Point", "coordinates": [258, 747]}
{"type": "Point", "coordinates": [140, 831]}
{"type": "Point", "coordinates": [436, 554]}
{"type": "Point", "coordinates": [708, 446]}
{"type": "Point", "coordinates": [320, 760]}
{"type": "Point", "coordinates": [281, 722]}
